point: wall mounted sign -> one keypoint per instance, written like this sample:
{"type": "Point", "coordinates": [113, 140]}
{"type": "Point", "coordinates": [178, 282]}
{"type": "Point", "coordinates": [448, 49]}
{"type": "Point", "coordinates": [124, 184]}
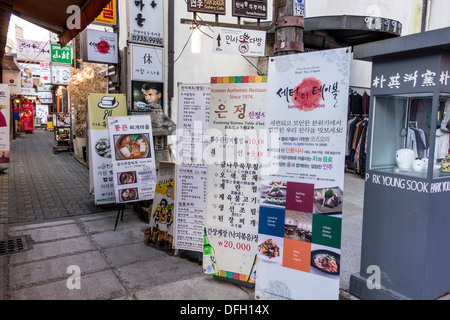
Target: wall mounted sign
{"type": "Point", "coordinates": [239, 41]}
{"type": "Point", "coordinates": [108, 15]}
{"type": "Point", "coordinates": [100, 46]}
{"type": "Point", "coordinates": [146, 63]}
{"type": "Point", "coordinates": [32, 50]}
{"type": "Point", "coordinates": [61, 55]}
{"type": "Point", "coordinates": [13, 79]}
{"type": "Point", "coordinates": [61, 74]}
{"type": "Point", "coordinates": [146, 19]}
{"type": "Point", "coordinates": [253, 9]}
{"type": "Point", "coordinates": [207, 6]}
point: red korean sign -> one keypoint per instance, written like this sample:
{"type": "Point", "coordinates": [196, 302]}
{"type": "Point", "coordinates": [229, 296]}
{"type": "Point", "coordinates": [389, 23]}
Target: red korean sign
{"type": "Point", "coordinates": [27, 117]}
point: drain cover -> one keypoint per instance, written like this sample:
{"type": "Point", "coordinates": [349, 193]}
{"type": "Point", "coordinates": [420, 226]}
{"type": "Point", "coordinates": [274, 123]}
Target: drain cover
{"type": "Point", "coordinates": [13, 245]}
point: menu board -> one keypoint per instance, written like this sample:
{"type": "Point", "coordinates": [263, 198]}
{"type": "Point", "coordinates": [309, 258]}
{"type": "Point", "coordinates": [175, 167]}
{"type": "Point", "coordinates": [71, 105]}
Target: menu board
{"type": "Point", "coordinates": [192, 139]}
{"type": "Point", "coordinates": [5, 113]}
{"type": "Point", "coordinates": [236, 148]}
{"type": "Point", "coordinates": [300, 220]}
{"type": "Point", "coordinates": [100, 107]}
{"type": "Point", "coordinates": [134, 168]}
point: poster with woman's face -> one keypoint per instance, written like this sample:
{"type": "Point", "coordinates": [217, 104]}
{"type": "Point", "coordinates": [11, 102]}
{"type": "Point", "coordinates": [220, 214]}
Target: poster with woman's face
{"type": "Point", "coordinates": [146, 94]}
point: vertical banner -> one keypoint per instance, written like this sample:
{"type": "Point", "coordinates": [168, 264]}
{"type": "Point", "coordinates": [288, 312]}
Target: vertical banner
{"type": "Point", "coordinates": [192, 139]}
{"type": "Point", "coordinates": [236, 147]}
{"type": "Point", "coordinates": [100, 107]}
{"type": "Point", "coordinates": [300, 220]}
{"type": "Point", "coordinates": [5, 112]}
{"type": "Point", "coordinates": [162, 213]}
{"type": "Point", "coordinates": [132, 151]}
{"type": "Point", "coordinates": [28, 116]}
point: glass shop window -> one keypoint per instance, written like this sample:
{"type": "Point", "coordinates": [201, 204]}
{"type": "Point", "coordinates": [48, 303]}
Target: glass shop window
{"type": "Point", "coordinates": [442, 148]}
{"type": "Point", "coordinates": [401, 134]}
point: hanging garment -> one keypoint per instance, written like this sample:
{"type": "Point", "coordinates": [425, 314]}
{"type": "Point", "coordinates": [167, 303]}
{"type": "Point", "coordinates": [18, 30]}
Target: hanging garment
{"type": "Point", "coordinates": [356, 103]}
{"type": "Point", "coordinates": [411, 142]}
{"type": "Point", "coordinates": [365, 103]}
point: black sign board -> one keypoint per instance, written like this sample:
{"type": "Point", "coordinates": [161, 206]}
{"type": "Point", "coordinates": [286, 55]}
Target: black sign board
{"type": "Point", "coordinates": [254, 9]}
{"type": "Point", "coordinates": [207, 6]}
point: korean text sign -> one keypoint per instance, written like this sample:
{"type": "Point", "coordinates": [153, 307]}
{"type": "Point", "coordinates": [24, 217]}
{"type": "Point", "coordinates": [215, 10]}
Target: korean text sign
{"type": "Point", "coordinates": [146, 22]}
{"type": "Point", "coordinates": [236, 148]}
{"type": "Point", "coordinates": [133, 158]}
{"type": "Point", "coordinates": [300, 217]}
{"type": "Point", "coordinates": [192, 137]}
{"type": "Point", "coordinates": [100, 107]}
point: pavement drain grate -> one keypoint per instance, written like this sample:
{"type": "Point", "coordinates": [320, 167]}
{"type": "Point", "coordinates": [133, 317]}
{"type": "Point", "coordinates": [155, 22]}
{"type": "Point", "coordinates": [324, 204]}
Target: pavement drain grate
{"type": "Point", "coordinates": [13, 245]}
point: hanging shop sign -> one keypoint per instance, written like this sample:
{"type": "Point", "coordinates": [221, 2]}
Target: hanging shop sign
{"type": "Point", "coordinates": [235, 155]}
{"type": "Point", "coordinates": [192, 139]}
{"type": "Point", "coordinates": [146, 63]}
{"type": "Point", "coordinates": [108, 15]}
{"type": "Point", "coordinates": [146, 22]}
{"type": "Point", "coordinates": [162, 212]}
{"type": "Point", "coordinates": [146, 94]}
{"type": "Point", "coordinates": [133, 158]}
{"type": "Point", "coordinates": [207, 6]}
{"type": "Point", "coordinates": [300, 221]}
{"type": "Point", "coordinates": [32, 50]}
{"type": "Point", "coordinates": [27, 116]}
{"type": "Point", "coordinates": [100, 47]}
{"type": "Point", "coordinates": [61, 74]}
{"type": "Point", "coordinates": [61, 55]}
{"type": "Point", "coordinates": [14, 80]}
{"type": "Point", "coordinates": [253, 9]}
{"type": "Point", "coordinates": [5, 114]}
{"type": "Point", "coordinates": [100, 107]}
{"type": "Point", "coordinates": [28, 92]}
{"type": "Point", "coordinates": [239, 41]}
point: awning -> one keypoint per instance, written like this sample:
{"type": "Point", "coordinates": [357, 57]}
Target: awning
{"type": "Point", "coordinates": [49, 14]}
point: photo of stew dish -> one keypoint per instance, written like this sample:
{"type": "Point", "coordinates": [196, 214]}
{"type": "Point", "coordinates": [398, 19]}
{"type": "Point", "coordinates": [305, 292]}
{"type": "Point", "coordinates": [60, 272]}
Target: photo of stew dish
{"type": "Point", "coordinates": [269, 248]}
{"type": "Point", "coordinates": [128, 194]}
{"type": "Point", "coordinates": [127, 178]}
{"type": "Point", "coordinates": [326, 261]}
{"type": "Point", "coordinates": [132, 146]}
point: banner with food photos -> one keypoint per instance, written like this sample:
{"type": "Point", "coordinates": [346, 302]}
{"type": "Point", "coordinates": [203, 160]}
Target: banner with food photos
{"type": "Point", "coordinates": [133, 158]}
{"type": "Point", "coordinates": [5, 115]}
{"type": "Point", "coordinates": [234, 159]}
{"type": "Point", "coordinates": [100, 107]}
{"type": "Point", "coordinates": [300, 220]}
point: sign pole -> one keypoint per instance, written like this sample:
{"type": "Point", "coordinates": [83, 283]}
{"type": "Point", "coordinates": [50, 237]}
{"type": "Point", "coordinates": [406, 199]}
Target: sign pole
{"type": "Point", "coordinates": [289, 27]}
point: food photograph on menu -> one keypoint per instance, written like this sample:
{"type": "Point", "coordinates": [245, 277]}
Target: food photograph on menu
{"type": "Point", "coordinates": [132, 146]}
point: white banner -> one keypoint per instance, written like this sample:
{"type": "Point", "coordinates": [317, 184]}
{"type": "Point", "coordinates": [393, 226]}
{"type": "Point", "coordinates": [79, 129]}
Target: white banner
{"type": "Point", "coordinates": [146, 22]}
{"type": "Point", "coordinates": [32, 50]}
{"type": "Point", "coordinates": [300, 221]}
{"type": "Point", "coordinates": [192, 139]}
{"type": "Point", "coordinates": [239, 41]}
{"type": "Point", "coordinates": [146, 63]}
{"type": "Point", "coordinates": [101, 47]}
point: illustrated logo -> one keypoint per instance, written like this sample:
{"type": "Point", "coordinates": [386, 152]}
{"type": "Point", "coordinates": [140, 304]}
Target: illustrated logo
{"type": "Point", "coordinates": [244, 46]}
{"type": "Point", "coordinates": [306, 96]}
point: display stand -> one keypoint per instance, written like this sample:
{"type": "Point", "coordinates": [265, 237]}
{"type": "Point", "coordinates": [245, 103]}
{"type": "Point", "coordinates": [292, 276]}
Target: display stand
{"type": "Point", "coordinates": [119, 213]}
{"type": "Point", "coordinates": [63, 133]}
{"type": "Point", "coordinates": [406, 208]}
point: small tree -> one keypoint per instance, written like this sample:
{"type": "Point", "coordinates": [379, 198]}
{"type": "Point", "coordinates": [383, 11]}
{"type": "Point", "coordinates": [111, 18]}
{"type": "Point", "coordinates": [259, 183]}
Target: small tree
{"type": "Point", "coordinates": [84, 81]}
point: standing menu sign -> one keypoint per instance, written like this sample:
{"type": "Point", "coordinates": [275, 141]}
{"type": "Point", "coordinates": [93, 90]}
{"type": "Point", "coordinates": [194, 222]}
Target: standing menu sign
{"type": "Point", "coordinates": [100, 107]}
{"type": "Point", "coordinates": [132, 151]}
{"type": "Point", "coordinates": [192, 139]}
{"type": "Point", "coordinates": [236, 147]}
{"type": "Point", "coordinates": [27, 116]}
{"type": "Point", "coordinates": [4, 123]}
{"type": "Point", "coordinates": [300, 218]}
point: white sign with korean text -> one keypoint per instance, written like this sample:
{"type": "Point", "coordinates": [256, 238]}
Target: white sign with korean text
{"type": "Point", "coordinates": [61, 75]}
{"type": "Point", "coordinates": [13, 79]}
{"type": "Point", "coordinates": [101, 46]}
{"type": "Point", "coordinates": [239, 41]}
{"type": "Point", "coordinates": [146, 22]}
{"type": "Point", "coordinates": [132, 151]}
{"type": "Point", "coordinates": [32, 50]}
{"type": "Point", "coordinates": [146, 63]}
{"type": "Point", "coordinates": [192, 138]}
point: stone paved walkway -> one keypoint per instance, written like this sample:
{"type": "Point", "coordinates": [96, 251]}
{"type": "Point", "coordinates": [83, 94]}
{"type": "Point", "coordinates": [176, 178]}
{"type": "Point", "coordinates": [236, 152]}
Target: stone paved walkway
{"type": "Point", "coordinates": [40, 185]}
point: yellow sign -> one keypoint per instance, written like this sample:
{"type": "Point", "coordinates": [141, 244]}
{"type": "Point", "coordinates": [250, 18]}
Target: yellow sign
{"type": "Point", "coordinates": [103, 105]}
{"type": "Point", "coordinates": [108, 14]}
